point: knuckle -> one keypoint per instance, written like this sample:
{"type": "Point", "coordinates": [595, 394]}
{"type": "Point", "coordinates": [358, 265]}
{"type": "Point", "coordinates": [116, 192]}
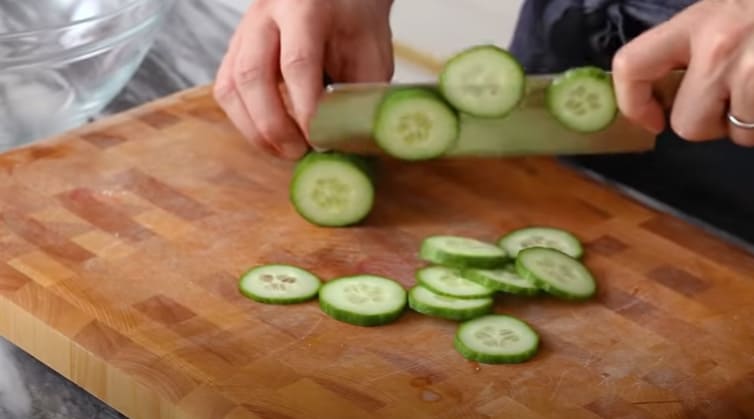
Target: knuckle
{"type": "Point", "coordinates": [223, 90]}
{"type": "Point", "coordinates": [723, 41]}
{"type": "Point", "coordinates": [296, 59]}
{"type": "Point", "coordinates": [249, 75]}
{"type": "Point", "coordinates": [272, 127]}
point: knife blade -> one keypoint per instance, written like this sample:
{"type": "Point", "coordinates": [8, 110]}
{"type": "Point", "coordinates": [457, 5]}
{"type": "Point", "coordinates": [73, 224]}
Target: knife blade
{"type": "Point", "coordinates": [344, 120]}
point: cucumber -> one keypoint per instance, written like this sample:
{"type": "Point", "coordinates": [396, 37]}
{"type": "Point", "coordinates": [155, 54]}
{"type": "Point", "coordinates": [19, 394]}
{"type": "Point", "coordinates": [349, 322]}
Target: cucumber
{"type": "Point", "coordinates": [551, 237]}
{"type": "Point", "coordinates": [448, 281]}
{"type": "Point", "coordinates": [279, 284]}
{"type": "Point", "coordinates": [415, 123]}
{"type": "Point", "coordinates": [461, 252]}
{"type": "Point", "coordinates": [483, 81]}
{"type": "Point", "coordinates": [332, 189]}
{"type": "Point", "coordinates": [496, 339]}
{"type": "Point", "coordinates": [556, 273]}
{"type": "Point", "coordinates": [583, 99]}
{"type": "Point", "coordinates": [423, 300]}
{"type": "Point", "coordinates": [502, 280]}
{"type": "Point", "coordinates": [363, 300]}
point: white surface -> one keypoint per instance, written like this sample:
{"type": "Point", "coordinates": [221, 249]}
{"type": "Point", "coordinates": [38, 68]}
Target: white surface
{"type": "Point", "coordinates": [440, 28]}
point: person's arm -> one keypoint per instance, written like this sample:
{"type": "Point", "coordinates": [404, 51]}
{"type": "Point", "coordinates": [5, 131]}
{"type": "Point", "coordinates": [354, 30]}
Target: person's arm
{"type": "Point", "coordinates": [714, 41]}
{"type": "Point", "coordinates": [293, 43]}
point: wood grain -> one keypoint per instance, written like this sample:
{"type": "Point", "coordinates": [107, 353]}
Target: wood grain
{"type": "Point", "coordinates": [121, 244]}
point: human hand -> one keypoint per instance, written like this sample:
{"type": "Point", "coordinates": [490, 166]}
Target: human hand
{"type": "Point", "coordinates": [287, 45]}
{"type": "Point", "coordinates": [714, 41]}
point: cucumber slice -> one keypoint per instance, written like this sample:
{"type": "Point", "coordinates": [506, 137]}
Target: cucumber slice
{"type": "Point", "coordinates": [332, 189]}
{"type": "Point", "coordinates": [363, 300]}
{"type": "Point", "coordinates": [556, 273]}
{"type": "Point", "coordinates": [415, 124]}
{"type": "Point", "coordinates": [583, 99]}
{"type": "Point", "coordinates": [462, 252]}
{"type": "Point", "coordinates": [279, 284]}
{"type": "Point", "coordinates": [449, 282]}
{"type": "Point", "coordinates": [496, 339]}
{"type": "Point", "coordinates": [554, 238]}
{"type": "Point", "coordinates": [483, 81]}
{"type": "Point", "coordinates": [423, 300]}
{"type": "Point", "coordinates": [503, 280]}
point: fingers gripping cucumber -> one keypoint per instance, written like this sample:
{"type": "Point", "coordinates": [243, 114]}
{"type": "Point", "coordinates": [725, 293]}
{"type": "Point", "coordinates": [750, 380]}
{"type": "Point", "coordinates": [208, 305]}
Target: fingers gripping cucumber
{"type": "Point", "coordinates": [363, 300]}
{"type": "Point", "coordinates": [279, 284]}
{"type": "Point", "coordinates": [496, 339]}
{"type": "Point", "coordinates": [332, 189]}
{"type": "Point", "coordinates": [423, 300]}
{"type": "Point", "coordinates": [415, 124]}
{"type": "Point", "coordinates": [483, 81]}
{"type": "Point", "coordinates": [583, 99]}
{"type": "Point", "coordinates": [556, 273]}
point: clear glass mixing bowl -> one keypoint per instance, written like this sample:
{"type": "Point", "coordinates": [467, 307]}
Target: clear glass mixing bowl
{"type": "Point", "coordinates": [62, 61]}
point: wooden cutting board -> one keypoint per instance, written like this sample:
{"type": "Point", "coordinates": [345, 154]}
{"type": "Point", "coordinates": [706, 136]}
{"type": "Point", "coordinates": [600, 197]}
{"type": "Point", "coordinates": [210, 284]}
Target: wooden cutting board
{"type": "Point", "coordinates": [122, 244]}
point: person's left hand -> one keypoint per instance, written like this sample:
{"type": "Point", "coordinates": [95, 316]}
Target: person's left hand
{"type": "Point", "coordinates": [714, 41]}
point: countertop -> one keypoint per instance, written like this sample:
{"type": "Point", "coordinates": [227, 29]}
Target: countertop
{"type": "Point", "coordinates": [186, 54]}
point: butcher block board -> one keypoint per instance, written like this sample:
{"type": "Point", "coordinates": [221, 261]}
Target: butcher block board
{"type": "Point", "coordinates": [122, 244]}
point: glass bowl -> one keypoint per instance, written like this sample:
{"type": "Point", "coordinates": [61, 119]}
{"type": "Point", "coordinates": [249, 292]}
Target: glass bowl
{"type": "Point", "coordinates": [62, 61]}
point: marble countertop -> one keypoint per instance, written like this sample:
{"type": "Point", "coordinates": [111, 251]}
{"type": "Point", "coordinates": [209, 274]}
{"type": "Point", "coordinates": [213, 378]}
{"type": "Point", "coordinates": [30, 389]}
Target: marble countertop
{"type": "Point", "coordinates": [185, 54]}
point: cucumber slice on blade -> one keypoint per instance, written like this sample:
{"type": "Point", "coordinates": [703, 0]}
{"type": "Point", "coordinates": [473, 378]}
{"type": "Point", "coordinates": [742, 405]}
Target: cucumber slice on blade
{"type": "Point", "coordinates": [449, 282]}
{"type": "Point", "coordinates": [279, 284]}
{"type": "Point", "coordinates": [363, 300]}
{"type": "Point", "coordinates": [556, 273]}
{"type": "Point", "coordinates": [583, 99]}
{"type": "Point", "coordinates": [483, 81]}
{"type": "Point", "coordinates": [332, 189]}
{"type": "Point", "coordinates": [554, 238]}
{"type": "Point", "coordinates": [461, 252]}
{"type": "Point", "coordinates": [415, 123]}
{"type": "Point", "coordinates": [496, 339]}
{"type": "Point", "coordinates": [423, 300]}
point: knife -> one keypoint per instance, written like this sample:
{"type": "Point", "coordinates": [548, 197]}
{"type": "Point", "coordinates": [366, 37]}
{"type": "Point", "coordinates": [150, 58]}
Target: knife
{"type": "Point", "coordinates": [344, 119]}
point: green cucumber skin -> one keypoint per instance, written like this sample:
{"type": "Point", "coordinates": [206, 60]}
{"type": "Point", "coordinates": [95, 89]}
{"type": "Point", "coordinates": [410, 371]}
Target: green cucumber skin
{"type": "Point", "coordinates": [453, 315]}
{"type": "Point", "coordinates": [578, 254]}
{"type": "Point", "coordinates": [409, 93]}
{"type": "Point", "coordinates": [472, 355]}
{"type": "Point", "coordinates": [431, 255]}
{"type": "Point", "coordinates": [592, 72]}
{"type": "Point", "coordinates": [277, 301]}
{"type": "Point", "coordinates": [442, 80]}
{"type": "Point", "coordinates": [545, 286]}
{"type": "Point", "coordinates": [357, 319]}
{"type": "Point", "coordinates": [361, 163]}
{"type": "Point", "coordinates": [481, 279]}
{"type": "Point", "coordinates": [420, 280]}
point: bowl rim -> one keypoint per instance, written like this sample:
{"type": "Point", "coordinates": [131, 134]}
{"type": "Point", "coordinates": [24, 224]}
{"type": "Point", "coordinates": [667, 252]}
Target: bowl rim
{"type": "Point", "coordinates": [161, 5]}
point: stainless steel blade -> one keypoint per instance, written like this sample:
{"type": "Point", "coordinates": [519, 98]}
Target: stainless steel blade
{"type": "Point", "coordinates": [345, 116]}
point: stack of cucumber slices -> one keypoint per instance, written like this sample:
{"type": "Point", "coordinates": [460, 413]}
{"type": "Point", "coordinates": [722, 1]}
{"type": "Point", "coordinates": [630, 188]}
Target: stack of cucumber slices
{"type": "Point", "coordinates": [459, 283]}
{"type": "Point", "coordinates": [484, 81]}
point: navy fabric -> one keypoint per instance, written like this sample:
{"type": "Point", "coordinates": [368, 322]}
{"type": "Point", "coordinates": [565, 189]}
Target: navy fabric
{"type": "Point", "coordinates": [711, 181]}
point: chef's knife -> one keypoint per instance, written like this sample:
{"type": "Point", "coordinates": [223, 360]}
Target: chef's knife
{"type": "Point", "coordinates": [344, 120]}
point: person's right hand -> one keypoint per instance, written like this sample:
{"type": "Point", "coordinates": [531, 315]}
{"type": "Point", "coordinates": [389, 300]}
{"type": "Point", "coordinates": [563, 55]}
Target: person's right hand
{"type": "Point", "coordinates": [293, 43]}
